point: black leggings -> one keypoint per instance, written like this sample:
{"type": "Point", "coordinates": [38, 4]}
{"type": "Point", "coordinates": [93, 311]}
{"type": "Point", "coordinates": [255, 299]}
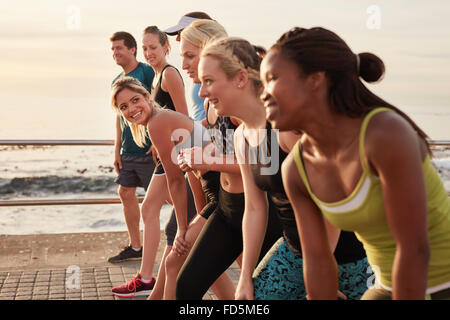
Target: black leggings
{"type": "Point", "coordinates": [219, 245]}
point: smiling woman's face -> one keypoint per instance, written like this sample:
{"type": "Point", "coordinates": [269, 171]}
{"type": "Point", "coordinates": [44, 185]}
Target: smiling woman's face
{"type": "Point", "coordinates": [133, 106]}
{"type": "Point", "coordinates": [216, 86]}
{"type": "Point", "coordinates": [285, 92]}
{"type": "Point", "coordinates": [152, 49]}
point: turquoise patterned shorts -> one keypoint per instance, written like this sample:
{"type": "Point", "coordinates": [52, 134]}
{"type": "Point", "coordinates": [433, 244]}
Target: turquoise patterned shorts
{"type": "Point", "coordinates": [279, 276]}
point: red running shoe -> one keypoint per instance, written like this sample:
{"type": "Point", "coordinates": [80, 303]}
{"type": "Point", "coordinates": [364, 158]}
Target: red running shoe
{"type": "Point", "coordinates": [135, 287]}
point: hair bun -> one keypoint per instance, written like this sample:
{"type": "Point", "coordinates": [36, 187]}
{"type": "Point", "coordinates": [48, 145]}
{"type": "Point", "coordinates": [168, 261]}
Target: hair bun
{"type": "Point", "coordinates": [260, 51]}
{"type": "Point", "coordinates": [371, 68]}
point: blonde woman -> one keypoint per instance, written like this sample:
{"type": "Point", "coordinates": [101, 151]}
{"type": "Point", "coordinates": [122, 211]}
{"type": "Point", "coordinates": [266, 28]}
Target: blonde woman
{"type": "Point", "coordinates": [168, 92]}
{"type": "Point", "coordinates": [221, 239]}
{"type": "Point", "coordinates": [198, 34]}
{"type": "Point", "coordinates": [230, 72]}
{"type": "Point", "coordinates": [169, 132]}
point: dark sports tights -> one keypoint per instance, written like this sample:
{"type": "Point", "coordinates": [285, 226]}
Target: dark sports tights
{"type": "Point", "coordinates": [218, 246]}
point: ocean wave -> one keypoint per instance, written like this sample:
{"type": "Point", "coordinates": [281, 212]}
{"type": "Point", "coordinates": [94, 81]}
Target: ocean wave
{"type": "Point", "coordinates": [48, 185]}
{"type": "Point", "coordinates": [443, 163]}
{"type": "Point", "coordinates": [105, 223]}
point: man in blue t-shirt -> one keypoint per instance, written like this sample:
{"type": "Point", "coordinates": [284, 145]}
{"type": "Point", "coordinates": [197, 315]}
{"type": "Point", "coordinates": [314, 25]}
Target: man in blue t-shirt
{"type": "Point", "coordinates": [134, 165]}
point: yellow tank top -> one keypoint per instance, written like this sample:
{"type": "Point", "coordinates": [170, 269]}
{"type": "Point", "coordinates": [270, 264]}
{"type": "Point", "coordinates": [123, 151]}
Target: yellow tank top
{"type": "Point", "coordinates": [363, 212]}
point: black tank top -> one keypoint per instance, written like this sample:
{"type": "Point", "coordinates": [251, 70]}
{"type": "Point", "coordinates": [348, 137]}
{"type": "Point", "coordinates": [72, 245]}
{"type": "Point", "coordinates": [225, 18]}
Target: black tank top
{"type": "Point", "coordinates": [348, 248]}
{"type": "Point", "coordinates": [163, 97]}
{"type": "Point", "coordinates": [221, 133]}
{"type": "Point", "coordinates": [273, 185]}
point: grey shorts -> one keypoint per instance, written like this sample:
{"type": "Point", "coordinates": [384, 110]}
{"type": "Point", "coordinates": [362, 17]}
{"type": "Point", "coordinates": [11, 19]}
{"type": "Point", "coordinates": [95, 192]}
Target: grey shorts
{"type": "Point", "coordinates": [171, 226]}
{"type": "Point", "coordinates": [136, 171]}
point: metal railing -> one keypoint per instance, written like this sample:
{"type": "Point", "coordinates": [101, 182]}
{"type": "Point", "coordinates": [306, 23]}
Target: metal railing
{"type": "Point", "coordinates": [49, 202]}
{"type": "Point", "coordinates": [437, 143]}
{"type": "Point", "coordinates": [56, 142]}
{"type": "Point", "coordinates": [57, 202]}
{"type": "Point", "coordinates": [44, 202]}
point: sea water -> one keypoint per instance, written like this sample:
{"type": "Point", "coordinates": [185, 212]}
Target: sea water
{"type": "Point", "coordinates": [61, 172]}
{"type": "Point", "coordinates": [79, 172]}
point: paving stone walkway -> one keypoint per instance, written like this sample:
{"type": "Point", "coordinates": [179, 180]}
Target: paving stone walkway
{"type": "Point", "coordinates": [69, 267]}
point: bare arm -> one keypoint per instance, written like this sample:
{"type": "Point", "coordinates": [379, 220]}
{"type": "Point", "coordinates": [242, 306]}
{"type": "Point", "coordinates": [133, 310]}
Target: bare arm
{"type": "Point", "coordinates": [254, 223]}
{"type": "Point", "coordinates": [181, 246]}
{"type": "Point", "coordinates": [319, 265]}
{"type": "Point", "coordinates": [209, 160]}
{"type": "Point", "coordinates": [173, 84]}
{"type": "Point", "coordinates": [160, 134]}
{"type": "Point", "coordinates": [396, 155]}
{"type": "Point", "coordinates": [225, 163]}
{"type": "Point", "coordinates": [197, 191]}
{"type": "Point", "coordinates": [287, 140]}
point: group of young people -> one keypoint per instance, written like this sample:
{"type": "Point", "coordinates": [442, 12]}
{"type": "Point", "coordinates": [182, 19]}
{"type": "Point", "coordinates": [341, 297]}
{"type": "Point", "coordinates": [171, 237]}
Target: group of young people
{"type": "Point", "coordinates": [288, 165]}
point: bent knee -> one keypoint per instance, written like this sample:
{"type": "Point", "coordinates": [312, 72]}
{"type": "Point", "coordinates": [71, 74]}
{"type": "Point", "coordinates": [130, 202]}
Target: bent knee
{"type": "Point", "coordinates": [149, 216]}
{"type": "Point", "coordinates": [151, 204]}
{"type": "Point", "coordinates": [173, 263]}
{"type": "Point", "coordinates": [126, 193]}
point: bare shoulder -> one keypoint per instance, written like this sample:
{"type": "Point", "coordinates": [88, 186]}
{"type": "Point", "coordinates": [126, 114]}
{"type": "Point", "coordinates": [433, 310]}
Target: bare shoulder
{"type": "Point", "coordinates": [171, 75]}
{"type": "Point", "coordinates": [155, 126]}
{"type": "Point", "coordinates": [292, 180]}
{"type": "Point", "coordinates": [384, 122]}
{"type": "Point", "coordinates": [390, 136]}
{"type": "Point", "coordinates": [389, 130]}
{"type": "Point", "coordinates": [289, 168]}
{"type": "Point", "coordinates": [163, 121]}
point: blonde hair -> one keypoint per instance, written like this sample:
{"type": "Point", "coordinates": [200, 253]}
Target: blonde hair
{"type": "Point", "coordinates": [236, 54]}
{"type": "Point", "coordinates": [138, 131]}
{"type": "Point", "coordinates": [200, 32]}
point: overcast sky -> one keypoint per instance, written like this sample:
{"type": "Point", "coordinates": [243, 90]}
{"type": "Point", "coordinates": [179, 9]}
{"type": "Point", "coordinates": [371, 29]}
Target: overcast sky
{"type": "Point", "coordinates": [57, 67]}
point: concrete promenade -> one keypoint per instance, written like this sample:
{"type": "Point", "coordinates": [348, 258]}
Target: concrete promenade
{"type": "Point", "coordinates": [69, 266]}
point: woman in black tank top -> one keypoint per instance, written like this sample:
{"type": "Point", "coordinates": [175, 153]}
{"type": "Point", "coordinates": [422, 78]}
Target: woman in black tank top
{"type": "Point", "coordinates": [167, 86]}
{"type": "Point", "coordinates": [220, 242]}
{"type": "Point", "coordinates": [162, 97]}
